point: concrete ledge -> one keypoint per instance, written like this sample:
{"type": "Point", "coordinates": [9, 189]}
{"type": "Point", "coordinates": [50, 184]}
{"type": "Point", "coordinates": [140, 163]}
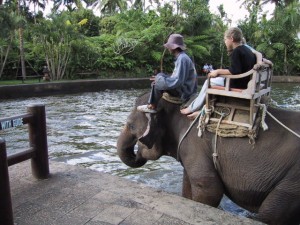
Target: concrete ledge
{"type": "Point", "coordinates": [79, 196]}
{"type": "Point", "coordinates": [286, 79]}
{"type": "Point", "coordinates": [79, 86]}
{"type": "Point", "coordinates": [70, 87]}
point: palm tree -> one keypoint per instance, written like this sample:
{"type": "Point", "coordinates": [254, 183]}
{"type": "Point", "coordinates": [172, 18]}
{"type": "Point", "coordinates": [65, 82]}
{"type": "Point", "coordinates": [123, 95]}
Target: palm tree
{"type": "Point", "coordinates": [220, 24]}
{"type": "Point", "coordinates": [38, 4]}
{"type": "Point", "coordinates": [8, 22]}
{"type": "Point", "coordinates": [109, 7]}
{"type": "Point", "coordinates": [278, 2]}
{"type": "Point", "coordinates": [141, 4]}
{"type": "Point", "coordinates": [278, 42]}
{"type": "Point", "coordinates": [21, 43]}
{"type": "Point", "coordinates": [260, 3]}
{"type": "Point", "coordinates": [68, 4]}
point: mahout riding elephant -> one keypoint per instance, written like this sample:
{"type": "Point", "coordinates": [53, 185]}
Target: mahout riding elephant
{"type": "Point", "coordinates": [263, 178]}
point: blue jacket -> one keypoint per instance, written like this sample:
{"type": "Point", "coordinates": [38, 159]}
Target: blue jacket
{"type": "Point", "coordinates": [183, 78]}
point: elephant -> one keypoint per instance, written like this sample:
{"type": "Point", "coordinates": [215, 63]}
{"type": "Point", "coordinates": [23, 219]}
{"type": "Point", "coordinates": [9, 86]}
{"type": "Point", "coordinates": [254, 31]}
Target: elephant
{"type": "Point", "coordinates": [263, 178]}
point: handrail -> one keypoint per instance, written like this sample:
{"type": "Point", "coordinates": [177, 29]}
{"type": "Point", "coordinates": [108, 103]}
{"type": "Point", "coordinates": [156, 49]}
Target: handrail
{"type": "Point", "coordinates": [37, 152]}
{"type": "Point", "coordinates": [248, 73]}
{"type": "Point", "coordinates": [237, 76]}
{"type": "Point", "coordinates": [6, 213]}
{"type": "Point", "coordinates": [20, 156]}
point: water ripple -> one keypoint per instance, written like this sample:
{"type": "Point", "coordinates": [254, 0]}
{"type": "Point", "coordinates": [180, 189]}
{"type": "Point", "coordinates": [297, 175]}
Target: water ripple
{"type": "Point", "coordinates": [83, 128]}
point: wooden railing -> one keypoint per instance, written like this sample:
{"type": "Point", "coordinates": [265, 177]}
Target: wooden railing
{"type": "Point", "coordinates": [37, 152]}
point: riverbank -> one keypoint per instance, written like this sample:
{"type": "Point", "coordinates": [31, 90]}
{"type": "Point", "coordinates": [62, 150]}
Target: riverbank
{"type": "Point", "coordinates": [79, 86]}
{"type": "Point", "coordinates": [79, 196]}
{"type": "Point", "coordinates": [70, 87]}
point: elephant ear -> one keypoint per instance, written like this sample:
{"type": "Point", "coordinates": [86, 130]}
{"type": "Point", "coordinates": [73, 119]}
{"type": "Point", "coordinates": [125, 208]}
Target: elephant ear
{"type": "Point", "coordinates": [152, 132]}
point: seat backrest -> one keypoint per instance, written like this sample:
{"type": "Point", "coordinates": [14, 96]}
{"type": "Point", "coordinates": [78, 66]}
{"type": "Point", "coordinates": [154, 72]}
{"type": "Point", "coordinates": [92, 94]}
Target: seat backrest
{"type": "Point", "coordinates": [263, 78]}
{"type": "Point", "coordinates": [260, 81]}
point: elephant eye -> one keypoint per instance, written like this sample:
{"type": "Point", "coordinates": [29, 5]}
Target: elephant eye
{"type": "Point", "coordinates": [130, 126]}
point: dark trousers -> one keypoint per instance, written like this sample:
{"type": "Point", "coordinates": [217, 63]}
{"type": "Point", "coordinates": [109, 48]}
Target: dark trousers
{"type": "Point", "coordinates": [156, 94]}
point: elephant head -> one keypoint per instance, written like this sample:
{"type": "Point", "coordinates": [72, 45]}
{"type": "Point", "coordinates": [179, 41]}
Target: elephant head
{"type": "Point", "coordinates": [148, 136]}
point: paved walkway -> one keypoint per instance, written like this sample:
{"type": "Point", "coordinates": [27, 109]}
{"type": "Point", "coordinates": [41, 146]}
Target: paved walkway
{"type": "Point", "coordinates": [75, 196]}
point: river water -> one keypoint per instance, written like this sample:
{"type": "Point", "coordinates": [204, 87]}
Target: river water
{"type": "Point", "coordinates": [83, 128]}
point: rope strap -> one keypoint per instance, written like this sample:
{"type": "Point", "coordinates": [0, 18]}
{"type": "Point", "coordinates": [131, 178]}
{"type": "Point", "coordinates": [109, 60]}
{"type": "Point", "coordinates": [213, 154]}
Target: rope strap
{"type": "Point", "coordinates": [185, 134]}
{"type": "Point", "coordinates": [172, 99]}
{"type": "Point", "coordinates": [204, 118]}
{"type": "Point", "coordinates": [293, 132]}
{"type": "Point", "coordinates": [215, 153]}
{"type": "Point", "coordinates": [263, 124]}
{"type": "Point", "coordinates": [274, 118]}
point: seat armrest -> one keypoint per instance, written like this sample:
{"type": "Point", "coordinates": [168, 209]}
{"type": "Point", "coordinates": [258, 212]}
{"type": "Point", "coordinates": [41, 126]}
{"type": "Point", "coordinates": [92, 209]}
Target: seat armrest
{"type": "Point", "coordinates": [228, 77]}
{"type": "Point", "coordinates": [237, 76]}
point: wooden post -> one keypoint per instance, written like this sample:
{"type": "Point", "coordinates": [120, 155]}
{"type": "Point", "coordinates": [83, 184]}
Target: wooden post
{"type": "Point", "coordinates": [38, 141]}
{"type": "Point", "coordinates": [6, 213]}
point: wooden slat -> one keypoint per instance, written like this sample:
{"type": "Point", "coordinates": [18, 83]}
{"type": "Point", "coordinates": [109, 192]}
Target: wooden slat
{"type": "Point", "coordinates": [232, 106]}
{"type": "Point", "coordinates": [229, 93]}
{"type": "Point", "coordinates": [232, 122]}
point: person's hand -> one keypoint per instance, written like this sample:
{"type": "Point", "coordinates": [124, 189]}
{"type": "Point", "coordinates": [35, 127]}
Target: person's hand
{"type": "Point", "coordinates": [257, 66]}
{"type": "Point", "coordinates": [262, 63]}
{"type": "Point", "coordinates": [152, 78]}
{"type": "Point", "coordinates": [213, 73]}
{"type": "Point", "coordinates": [268, 62]}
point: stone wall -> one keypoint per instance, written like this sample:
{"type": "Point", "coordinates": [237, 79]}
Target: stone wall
{"type": "Point", "coordinates": [78, 86]}
{"type": "Point", "coordinates": [70, 87]}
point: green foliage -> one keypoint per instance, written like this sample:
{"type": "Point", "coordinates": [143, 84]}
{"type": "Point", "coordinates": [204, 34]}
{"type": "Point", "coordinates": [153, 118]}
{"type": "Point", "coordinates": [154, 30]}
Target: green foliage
{"type": "Point", "coordinates": [107, 25]}
{"type": "Point", "coordinates": [130, 40]}
{"type": "Point", "coordinates": [10, 21]}
{"type": "Point", "coordinates": [87, 23]}
{"type": "Point", "coordinates": [53, 38]}
{"type": "Point", "coordinates": [277, 37]}
{"type": "Point", "coordinates": [97, 54]}
{"type": "Point", "coordinates": [198, 18]}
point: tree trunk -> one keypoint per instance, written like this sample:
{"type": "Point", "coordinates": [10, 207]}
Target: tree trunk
{"type": "Point", "coordinates": [22, 54]}
{"type": "Point", "coordinates": [21, 45]}
{"type": "Point", "coordinates": [222, 55]}
{"type": "Point", "coordinates": [285, 61]}
{"type": "Point", "coordinates": [6, 56]}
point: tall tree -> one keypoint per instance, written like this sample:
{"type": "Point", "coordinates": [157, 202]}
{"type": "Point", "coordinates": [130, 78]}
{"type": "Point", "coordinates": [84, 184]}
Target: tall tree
{"type": "Point", "coordinates": [278, 43]}
{"type": "Point", "coordinates": [287, 17]}
{"type": "Point", "coordinates": [9, 23]}
{"type": "Point", "coordinates": [219, 25]}
{"type": "Point", "coordinates": [71, 5]}
{"type": "Point", "coordinates": [54, 38]}
{"type": "Point", "coordinates": [109, 7]}
{"type": "Point", "coordinates": [21, 42]}
{"type": "Point", "coordinates": [278, 2]}
{"type": "Point", "coordinates": [38, 4]}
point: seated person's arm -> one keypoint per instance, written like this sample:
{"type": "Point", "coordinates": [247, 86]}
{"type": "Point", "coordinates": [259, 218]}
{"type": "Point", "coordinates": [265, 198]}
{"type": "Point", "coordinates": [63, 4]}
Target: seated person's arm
{"type": "Point", "coordinates": [258, 55]}
{"type": "Point", "coordinates": [260, 59]}
{"type": "Point", "coordinates": [217, 72]}
{"type": "Point", "coordinates": [267, 61]}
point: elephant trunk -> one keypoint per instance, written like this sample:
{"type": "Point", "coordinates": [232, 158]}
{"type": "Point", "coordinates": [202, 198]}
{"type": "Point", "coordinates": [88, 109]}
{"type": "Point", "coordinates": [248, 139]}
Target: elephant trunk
{"type": "Point", "coordinates": [125, 148]}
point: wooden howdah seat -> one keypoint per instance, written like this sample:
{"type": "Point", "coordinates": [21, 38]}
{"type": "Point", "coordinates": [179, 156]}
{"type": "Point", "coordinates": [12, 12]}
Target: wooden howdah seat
{"type": "Point", "coordinates": [240, 105]}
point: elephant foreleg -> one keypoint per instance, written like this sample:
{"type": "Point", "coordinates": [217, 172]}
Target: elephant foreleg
{"type": "Point", "coordinates": [207, 190]}
{"type": "Point", "coordinates": [186, 186]}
